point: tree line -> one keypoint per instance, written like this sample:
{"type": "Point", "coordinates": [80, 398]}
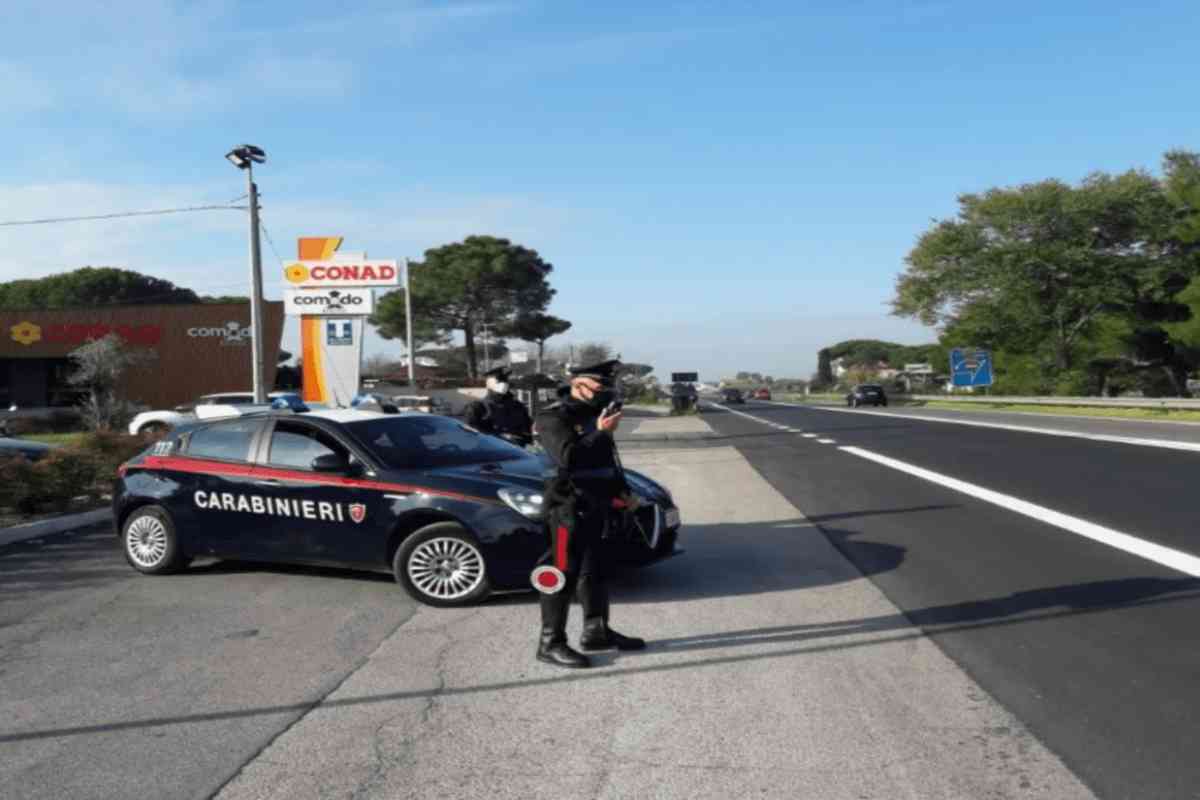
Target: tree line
{"type": "Point", "coordinates": [1084, 289]}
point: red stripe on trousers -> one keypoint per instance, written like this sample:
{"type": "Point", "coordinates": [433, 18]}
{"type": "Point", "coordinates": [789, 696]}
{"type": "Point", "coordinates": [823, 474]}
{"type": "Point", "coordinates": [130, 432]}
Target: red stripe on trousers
{"type": "Point", "coordinates": [560, 559]}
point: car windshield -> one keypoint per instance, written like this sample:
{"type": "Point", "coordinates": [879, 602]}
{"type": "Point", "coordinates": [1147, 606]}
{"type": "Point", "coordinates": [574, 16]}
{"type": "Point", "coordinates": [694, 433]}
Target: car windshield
{"type": "Point", "coordinates": [416, 442]}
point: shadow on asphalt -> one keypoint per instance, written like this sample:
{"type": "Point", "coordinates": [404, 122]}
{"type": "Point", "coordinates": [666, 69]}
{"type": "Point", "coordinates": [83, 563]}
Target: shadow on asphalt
{"type": "Point", "coordinates": [66, 561]}
{"type": "Point", "coordinates": [1015, 609]}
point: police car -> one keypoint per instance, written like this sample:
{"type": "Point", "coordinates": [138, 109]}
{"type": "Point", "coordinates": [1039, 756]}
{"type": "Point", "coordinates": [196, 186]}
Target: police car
{"type": "Point", "coordinates": [452, 513]}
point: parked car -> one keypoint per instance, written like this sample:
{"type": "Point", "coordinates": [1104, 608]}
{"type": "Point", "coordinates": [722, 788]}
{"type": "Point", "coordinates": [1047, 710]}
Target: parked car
{"type": "Point", "coordinates": [452, 513]}
{"type": "Point", "coordinates": [155, 422]}
{"type": "Point", "coordinates": [762, 394]}
{"type": "Point", "coordinates": [414, 402]}
{"type": "Point", "coordinates": [732, 396]}
{"type": "Point", "coordinates": [866, 394]}
{"type": "Point", "coordinates": [29, 449]}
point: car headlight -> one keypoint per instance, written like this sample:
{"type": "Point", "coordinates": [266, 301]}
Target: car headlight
{"type": "Point", "coordinates": [528, 504]}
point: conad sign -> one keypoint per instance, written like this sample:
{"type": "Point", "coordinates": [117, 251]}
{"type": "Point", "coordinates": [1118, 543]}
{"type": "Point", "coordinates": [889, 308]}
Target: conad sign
{"type": "Point", "coordinates": [329, 274]}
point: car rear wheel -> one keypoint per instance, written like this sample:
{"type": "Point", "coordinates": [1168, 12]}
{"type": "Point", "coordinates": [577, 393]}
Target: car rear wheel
{"type": "Point", "coordinates": [442, 565]}
{"type": "Point", "coordinates": [150, 542]}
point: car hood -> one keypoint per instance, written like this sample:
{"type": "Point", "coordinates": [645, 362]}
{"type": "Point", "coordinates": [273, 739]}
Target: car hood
{"type": "Point", "coordinates": [530, 473]}
{"type": "Point", "coordinates": [527, 472]}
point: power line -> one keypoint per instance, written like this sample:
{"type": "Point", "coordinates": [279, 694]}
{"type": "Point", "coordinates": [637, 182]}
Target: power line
{"type": "Point", "coordinates": [121, 215]}
{"type": "Point", "coordinates": [271, 242]}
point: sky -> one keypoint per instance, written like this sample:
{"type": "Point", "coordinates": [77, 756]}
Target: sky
{"type": "Point", "coordinates": [719, 186]}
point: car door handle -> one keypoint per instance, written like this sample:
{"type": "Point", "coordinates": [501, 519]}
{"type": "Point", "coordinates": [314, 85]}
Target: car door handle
{"type": "Point", "coordinates": [268, 482]}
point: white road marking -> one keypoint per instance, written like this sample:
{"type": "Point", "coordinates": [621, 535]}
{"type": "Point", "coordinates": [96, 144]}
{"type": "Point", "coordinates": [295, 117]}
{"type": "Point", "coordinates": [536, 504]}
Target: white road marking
{"type": "Point", "coordinates": [1166, 556]}
{"type": "Point", "coordinates": [1098, 437]}
{"type": "Point", "coordinates": [827, 441]}
{"type": "Point", "coordinates": [809, 435]}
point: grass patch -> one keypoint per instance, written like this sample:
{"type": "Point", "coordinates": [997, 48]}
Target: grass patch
{"type": "Point", "coordinates": [65, 439]}
{"type": "Point", "coordinates": [1157, 414]}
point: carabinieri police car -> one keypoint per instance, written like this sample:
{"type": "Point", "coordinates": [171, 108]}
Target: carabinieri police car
{"type": "Point", "coordinates": [453, 513]}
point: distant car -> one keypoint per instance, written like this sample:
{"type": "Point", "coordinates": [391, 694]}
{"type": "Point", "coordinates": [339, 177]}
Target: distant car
{"type": "Point", "coordinates": [29, 449]}
{"type": "Point", "coordinates": [866, 394]}
{"type": "Point", "coordinates": [155, 422]}
{"type": "Point", "coordinates": [414, 402]}
{"type": "Point", "coordinates": [732, 396]}
{"type": "Point", "coordinates": [762, 394]}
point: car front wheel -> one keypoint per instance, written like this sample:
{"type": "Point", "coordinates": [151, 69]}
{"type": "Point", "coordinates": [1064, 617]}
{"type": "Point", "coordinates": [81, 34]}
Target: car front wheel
{"type": "Point", "coordinates": [442, 565]}
{"type": "Point", "coordinates": [150, 542]}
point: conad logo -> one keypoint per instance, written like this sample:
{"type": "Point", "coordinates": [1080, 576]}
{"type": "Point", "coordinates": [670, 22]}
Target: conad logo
{"type": "Point", "coordinates": [348, 274]}
{"type": "Point", "coordinates": [296, 273]}
{"type": "Point", "coordinates": [230, 333]}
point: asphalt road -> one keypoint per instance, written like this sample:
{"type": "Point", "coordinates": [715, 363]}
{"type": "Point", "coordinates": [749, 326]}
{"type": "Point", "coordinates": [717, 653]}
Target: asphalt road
{"type": "Point", "coordinates": [1093, 648]}
{"type": "Point", "coordinates": [117, 685]}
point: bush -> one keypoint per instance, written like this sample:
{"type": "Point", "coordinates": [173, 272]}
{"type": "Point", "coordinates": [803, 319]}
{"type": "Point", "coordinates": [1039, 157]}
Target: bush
{"type": "Point", "coordinates": [54, 482]}
{"type": "Point", "coordinates": [58, 421]}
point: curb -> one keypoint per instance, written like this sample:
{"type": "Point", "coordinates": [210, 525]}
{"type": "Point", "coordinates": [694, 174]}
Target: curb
{"type": "Point", "coordinates": [49, 527]}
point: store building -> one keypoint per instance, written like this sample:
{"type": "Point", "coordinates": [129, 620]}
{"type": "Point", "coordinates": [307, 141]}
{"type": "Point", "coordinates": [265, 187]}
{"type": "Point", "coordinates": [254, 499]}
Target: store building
{"type": "Point", "coordinates": [196, 349]}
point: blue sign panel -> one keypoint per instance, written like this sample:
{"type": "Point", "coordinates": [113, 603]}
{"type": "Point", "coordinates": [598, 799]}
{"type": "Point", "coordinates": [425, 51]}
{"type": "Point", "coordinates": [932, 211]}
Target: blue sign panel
{"type": "Point", "coordinates": [339, 332]}
{"type": "Point", "coordinates": [970, 367]}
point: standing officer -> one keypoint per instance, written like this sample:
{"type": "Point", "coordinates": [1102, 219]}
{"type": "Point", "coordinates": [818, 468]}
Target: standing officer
{"type": "Point", "coordinates": [499, 413]}
{"type": "Point", "coordinates": [584, 496]}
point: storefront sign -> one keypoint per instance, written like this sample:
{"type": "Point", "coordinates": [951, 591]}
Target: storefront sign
{"type": "Point", "coordinates": [28, 333]}
{"type": "Point", "coordinates": [326, 302]}
{"type": "Point", "coordinates": [230, 333]}
{"type": "Point", "coordinates": [340, 274]}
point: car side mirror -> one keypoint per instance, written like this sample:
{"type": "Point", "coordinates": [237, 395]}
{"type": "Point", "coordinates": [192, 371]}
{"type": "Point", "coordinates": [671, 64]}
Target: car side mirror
{"type": "Point", "coordinates": [331, 462]}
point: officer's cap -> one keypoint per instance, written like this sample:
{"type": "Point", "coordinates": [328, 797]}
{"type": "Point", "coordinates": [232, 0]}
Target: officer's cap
{"type": "Point", "coordinates": [499, 373]}
{"type": "Point", "coordinates": [604, 371]}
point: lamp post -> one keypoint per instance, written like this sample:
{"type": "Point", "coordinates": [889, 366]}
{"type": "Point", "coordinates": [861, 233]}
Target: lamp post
{"type": "Point", "coordinates": [244, 157]}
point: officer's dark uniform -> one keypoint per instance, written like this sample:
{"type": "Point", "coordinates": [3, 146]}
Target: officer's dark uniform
{"type": "Point", "coordinates": [501, 414]}
{"type": "Point", "coordinates": [584, 481]}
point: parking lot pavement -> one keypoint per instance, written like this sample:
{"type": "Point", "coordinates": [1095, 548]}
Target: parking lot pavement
{"type": "Point", "coordinates": [774, 670]}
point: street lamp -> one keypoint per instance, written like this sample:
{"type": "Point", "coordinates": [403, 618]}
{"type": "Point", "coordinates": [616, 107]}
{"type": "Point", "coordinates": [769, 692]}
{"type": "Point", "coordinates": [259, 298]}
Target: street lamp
{"type": "Point", "coordinates": [245, 156]}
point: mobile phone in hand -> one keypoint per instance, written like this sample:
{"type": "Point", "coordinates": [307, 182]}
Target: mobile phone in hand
{"type": "Point", "coordinates": [613, 408]}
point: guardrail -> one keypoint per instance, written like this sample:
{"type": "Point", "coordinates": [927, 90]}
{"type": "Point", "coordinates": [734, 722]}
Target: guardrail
{"type": "Point", "coordinates": [1100, 402]}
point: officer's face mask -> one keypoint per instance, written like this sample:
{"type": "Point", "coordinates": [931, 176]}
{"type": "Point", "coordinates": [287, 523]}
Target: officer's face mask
{"type": "Point", "coordinates": [500, 387]}
{"type": "Point", "coordinates": [603, 397]}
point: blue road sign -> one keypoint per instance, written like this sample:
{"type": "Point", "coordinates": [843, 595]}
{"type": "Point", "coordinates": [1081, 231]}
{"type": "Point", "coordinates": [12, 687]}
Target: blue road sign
{"type": "Point", "coordinates": [970, 367]}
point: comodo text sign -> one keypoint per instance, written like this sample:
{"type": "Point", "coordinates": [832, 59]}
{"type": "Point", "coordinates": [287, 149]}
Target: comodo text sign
{"type": "Point", "coordinates": [328, 302]}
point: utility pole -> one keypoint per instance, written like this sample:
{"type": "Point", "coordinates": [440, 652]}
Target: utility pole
{"type": "Point", "coordinates": [412, 357]}
{"type": "Point", "coordinates": [257, 324]}
{"type": "Point", "coordinates": [245, 157]}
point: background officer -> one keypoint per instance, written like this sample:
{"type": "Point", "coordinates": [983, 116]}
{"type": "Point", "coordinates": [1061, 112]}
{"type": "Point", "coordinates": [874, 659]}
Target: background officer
{"type": "Point", "coordinates": [499, 413]}
{"type": "Point", "coordinates": [585, 496]}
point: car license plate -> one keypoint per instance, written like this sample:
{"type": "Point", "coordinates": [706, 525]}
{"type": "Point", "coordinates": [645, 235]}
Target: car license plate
{"type": "Point", "coordinates": [672, 518]}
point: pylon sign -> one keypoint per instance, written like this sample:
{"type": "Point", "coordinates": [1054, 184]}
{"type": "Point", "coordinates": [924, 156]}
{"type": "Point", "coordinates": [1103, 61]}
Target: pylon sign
{"type": "Point", "coordinates": [331, 342]}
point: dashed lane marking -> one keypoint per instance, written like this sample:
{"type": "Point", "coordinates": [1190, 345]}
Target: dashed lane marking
{"type": "Point", "coordinates": [1097, 437]}
{"type": "Point", "coordinates": [1159, 554]}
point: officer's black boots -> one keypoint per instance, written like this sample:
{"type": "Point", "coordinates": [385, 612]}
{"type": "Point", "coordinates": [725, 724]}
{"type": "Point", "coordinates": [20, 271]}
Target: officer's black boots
{"type": "Point", "coordinates": [559, 653]}
{"type": "Point", "coordinates": [553, 647]}
{"type": "Point", "coordinates": [598, 636]}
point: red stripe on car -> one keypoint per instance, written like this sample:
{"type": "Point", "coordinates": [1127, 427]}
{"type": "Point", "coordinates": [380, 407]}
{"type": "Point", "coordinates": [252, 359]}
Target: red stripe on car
{"type": "Point", "coordinates": [204, 467]}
